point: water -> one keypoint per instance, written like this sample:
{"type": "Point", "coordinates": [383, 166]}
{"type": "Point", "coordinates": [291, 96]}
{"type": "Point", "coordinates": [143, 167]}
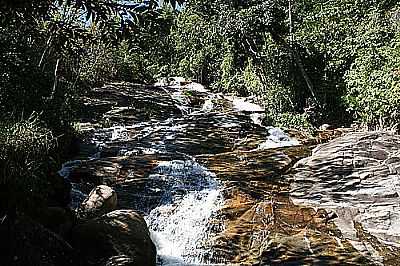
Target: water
{"type": "Point", "coordinates": [277, 139]}
{"type": "Point", "coordinates": [179, 228]}
{"type": "Point", "coordinates": [181, 223]}
{"type": "Point", "coordinates": [180, 197]}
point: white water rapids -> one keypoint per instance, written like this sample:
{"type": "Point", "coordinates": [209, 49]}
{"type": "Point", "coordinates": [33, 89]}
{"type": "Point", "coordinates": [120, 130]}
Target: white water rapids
{"type": "Point", "coordinates": [185, 219]}
{"type": "Point", "coordinates": [180, 227]}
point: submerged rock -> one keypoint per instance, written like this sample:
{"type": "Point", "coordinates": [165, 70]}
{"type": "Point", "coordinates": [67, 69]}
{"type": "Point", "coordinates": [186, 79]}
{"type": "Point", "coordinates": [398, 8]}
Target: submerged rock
{"type": "Point", "coordinates": [358, 177]}
{"type": "Point", "coordinates": [101, 200]}
{"type": "Point", "coordinates": [118, 236]}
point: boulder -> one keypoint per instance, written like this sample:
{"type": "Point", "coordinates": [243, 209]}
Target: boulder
{"type": "Point", "coordinates": [117, 238]}
{"type": "Point", "coordinates": [356, 176]}
{"type": "Point", "coordinates": [101, 200]}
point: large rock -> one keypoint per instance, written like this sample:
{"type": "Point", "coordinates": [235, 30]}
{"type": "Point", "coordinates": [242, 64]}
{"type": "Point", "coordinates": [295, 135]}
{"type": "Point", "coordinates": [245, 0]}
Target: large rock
{"type": "Point", "coordinates": [358, 177]}
{"type": "Point", "coordinates": [101, 200]}
{"type": "Point", "coordinates": [120, 236]}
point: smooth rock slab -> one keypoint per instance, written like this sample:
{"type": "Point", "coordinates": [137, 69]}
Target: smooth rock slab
{"type": "Point", "coordinates": [357, 176]}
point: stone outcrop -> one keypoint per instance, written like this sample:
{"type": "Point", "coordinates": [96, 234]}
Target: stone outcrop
{"type": "Point", "coordinates": [120, 236]}
{"type": "Point", "coordinates": [101, 200]}
{"type": "Point", "coordinates": [358, 177]}
{"type": "Point", "coordinates": [262, 226]}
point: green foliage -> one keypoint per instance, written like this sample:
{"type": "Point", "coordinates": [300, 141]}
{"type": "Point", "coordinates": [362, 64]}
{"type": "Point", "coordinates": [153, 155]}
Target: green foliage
{"type": "Point", "coordinates": [197, 47]}
{"type": "Point", "coordinates": [306, 63]}
{"type": "Point", "coordinates": [24, 146]}
{"type": "Point", "coordinates": [290, 121]}
{"type": "Point", "coordinates": [278, 99]}
{"type": "Point", "coordinates": [335, 35]}
{"type": "Point", "coordinates": [103, 63]}
{"type": "Point", "coordinates": [374, 86]}
{"type": "Point", "coordinates": [49, 51]}
{"type": "Point", "coordinates": [251, 81]}
{"type": "Point", "coordinates": [25, 162]}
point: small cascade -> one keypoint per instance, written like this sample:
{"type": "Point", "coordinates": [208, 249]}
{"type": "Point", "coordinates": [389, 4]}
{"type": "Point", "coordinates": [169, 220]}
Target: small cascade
{"type": "Point", "coordinates": [276, 139]}
{"type": "Point", "coordinates": [180, 225]}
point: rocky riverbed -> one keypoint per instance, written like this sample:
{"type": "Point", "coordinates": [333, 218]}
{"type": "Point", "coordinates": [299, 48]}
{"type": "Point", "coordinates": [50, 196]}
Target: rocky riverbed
{"type": "Point", "coordinates": [216, 186]}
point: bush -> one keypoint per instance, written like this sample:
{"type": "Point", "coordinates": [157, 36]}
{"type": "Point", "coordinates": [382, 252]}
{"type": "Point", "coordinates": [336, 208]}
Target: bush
{"type": "Point", "coordinates": [290, 120]}
{"type": "Point", "coordinates": [25, 148]}
{"type": "Point", "coordinates": [373, 84]}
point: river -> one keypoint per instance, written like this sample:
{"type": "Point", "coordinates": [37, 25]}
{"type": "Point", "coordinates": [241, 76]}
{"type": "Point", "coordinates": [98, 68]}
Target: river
{"type": "Point", "coordinates": [212, 181]}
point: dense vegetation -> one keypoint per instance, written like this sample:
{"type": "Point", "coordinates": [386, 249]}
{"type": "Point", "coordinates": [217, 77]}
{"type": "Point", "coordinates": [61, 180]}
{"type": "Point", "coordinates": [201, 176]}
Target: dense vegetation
{"type": "Point", "coordinates": [308, 62]}
{"type": "Point", "coordinates": [321, 61]}
{"type": "Point", "coordinates": [50, 53]}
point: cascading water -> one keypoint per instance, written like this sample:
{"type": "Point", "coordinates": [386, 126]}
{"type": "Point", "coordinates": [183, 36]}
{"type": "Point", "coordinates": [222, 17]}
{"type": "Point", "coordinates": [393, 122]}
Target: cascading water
{"type": "Point", "coordinates": [180, 224]}
{"type": "Point", "coordinates": [183, 197]}
{"type": "Point", "coordinates": [276, 139]}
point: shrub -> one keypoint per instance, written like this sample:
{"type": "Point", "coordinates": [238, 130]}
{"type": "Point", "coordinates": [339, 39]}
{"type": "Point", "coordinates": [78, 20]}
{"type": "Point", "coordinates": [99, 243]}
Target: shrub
{"type": "Point", "coordinates": [25, 147]}
{"type": "Point", "coordinates": [373, 84]}
{"type": "Point", "coordinates": [290, 120]}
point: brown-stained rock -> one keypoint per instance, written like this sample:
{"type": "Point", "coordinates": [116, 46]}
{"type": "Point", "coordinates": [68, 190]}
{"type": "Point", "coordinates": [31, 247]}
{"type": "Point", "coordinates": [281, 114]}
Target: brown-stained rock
{"type": "Point", "coordinates": [121, 233]}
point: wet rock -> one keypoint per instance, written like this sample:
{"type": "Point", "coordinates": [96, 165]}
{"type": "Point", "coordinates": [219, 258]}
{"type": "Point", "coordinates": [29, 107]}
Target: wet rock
{"type": "Point", "coordinates": [261, 225]}
{"type": "Point", "coordinates": [357, 176]}
{"type": "Point", "coordinates": [121, 260]}
{"type": "Point", "coordinates": [101, 200]}
{"type": "Point", "coordinates": [96, 172]}
{"type": "Point", "coordinates": [277, 232]}
{"type": "Point", "coordinates": [154, 158]}
{"type": "Point", "coordinates": [120, 235]}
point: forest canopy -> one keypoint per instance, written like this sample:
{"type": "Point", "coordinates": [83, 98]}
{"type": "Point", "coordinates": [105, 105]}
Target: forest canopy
{"type": "Point", "coordinates": [307, 62]}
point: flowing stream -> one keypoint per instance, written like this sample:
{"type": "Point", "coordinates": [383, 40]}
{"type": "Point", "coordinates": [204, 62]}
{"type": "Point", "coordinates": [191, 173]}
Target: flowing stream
{"type": "Point", "coordinates": [208, 176]}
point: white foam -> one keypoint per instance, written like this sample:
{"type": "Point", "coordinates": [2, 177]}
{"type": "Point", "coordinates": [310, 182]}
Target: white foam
{"type": "Point", "coordinates": [208, 106]}
{"type": "Point", "coordinates": [277, 139]}
{"type": "Point", "coordinates": [179, 227]}
{"type": "Point", "coordinates": [241, 104]}
{"type": "Point", "coordinates": [118, 132]}
{"type": "Point", "coordinates": [194, 86]}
